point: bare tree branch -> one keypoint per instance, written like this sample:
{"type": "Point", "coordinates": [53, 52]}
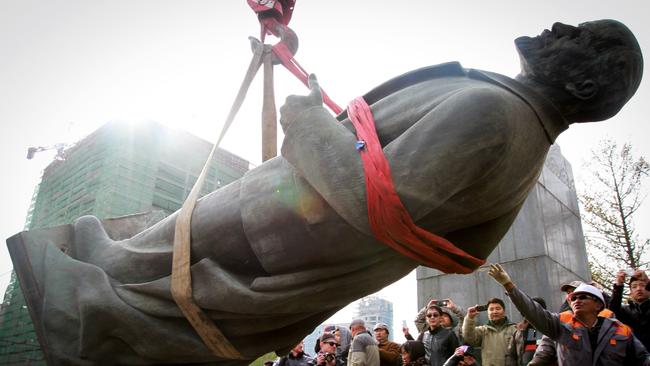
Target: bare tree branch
{"type": "Point", "coordinates": [609, 202]}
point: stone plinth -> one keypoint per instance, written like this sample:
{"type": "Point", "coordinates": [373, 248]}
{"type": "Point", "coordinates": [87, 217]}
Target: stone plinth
{"type": "Point", "coordinates": [544, 248]}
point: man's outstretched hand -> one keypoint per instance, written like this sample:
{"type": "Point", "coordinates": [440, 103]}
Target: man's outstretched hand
{"type": "Point", "coordinates": [499, 274]}
{"type": "Point", "coordinates": [297, 104]}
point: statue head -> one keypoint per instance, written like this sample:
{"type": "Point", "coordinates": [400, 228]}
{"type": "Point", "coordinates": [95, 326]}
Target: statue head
{"type": "Point", "coordinates": [589, 71]}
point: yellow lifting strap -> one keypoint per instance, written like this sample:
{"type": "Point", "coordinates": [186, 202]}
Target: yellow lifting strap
{"type": "Point", "coordinates": [181, 282]}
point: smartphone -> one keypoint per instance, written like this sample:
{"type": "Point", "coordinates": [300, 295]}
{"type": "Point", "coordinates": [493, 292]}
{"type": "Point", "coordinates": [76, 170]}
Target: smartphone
{"type": "Point", "coordinates": [441, 303]}
{"type": "Point", "coordinates": [481, 308]}
{"type": "Point", "coordinates": [464, 348]}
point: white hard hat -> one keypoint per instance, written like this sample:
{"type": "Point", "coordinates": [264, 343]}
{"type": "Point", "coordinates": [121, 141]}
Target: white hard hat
{"type": "Point", "coordinates": [591, 290]}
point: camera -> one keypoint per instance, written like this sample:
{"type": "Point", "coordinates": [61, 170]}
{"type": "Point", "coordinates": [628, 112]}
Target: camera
{"type": "Point", "coordinates": [481, 308]}
{"type": "Point", "coordinates": [441, 303]}
{"type": "Point", "coordinates": [329, 357]}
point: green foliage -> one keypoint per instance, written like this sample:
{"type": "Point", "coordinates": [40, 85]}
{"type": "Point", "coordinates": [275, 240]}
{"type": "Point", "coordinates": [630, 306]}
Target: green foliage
{"type": "Point", "coordinates": [609, 204]}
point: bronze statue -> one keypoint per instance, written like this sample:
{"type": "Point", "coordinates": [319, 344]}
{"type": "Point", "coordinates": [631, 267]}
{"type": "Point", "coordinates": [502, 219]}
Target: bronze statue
{"type": "Point", "coordinates": [465, 147]}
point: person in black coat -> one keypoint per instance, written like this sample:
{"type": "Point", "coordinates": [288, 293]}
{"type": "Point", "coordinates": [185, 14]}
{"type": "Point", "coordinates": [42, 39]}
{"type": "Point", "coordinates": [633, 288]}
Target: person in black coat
{"type": "Point", "coordinates": [636, 314]}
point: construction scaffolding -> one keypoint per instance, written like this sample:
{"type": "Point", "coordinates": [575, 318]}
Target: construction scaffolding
{"type": "Point", "coordinates": [119, 169]}
{"type": "Point", "coordinates": [18, 344]}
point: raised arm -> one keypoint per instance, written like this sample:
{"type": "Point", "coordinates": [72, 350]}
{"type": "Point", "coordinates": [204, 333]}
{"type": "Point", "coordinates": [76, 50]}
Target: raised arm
{"type": "Point", "coordinates": [615, 303]}
{"type": "Point", "coordinates": [472, 334]}
{"type": "Point", "coordinates": [542, 319]}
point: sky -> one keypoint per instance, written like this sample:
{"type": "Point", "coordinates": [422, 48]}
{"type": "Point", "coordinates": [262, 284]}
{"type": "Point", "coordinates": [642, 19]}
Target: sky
{"type": "Point", "coordinates": [68, 67]}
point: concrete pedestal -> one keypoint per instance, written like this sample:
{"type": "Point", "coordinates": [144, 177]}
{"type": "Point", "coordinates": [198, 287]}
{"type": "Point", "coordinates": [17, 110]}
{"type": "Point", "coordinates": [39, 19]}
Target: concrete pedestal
{"type": "Point", "coordinates": [544, 248]}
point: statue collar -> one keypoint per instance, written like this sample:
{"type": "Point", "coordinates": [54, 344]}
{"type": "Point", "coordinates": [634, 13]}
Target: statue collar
{"type": "Point", "coordinates": [548, 115]}
{"type": "Point", "coordinates": [410, 78]}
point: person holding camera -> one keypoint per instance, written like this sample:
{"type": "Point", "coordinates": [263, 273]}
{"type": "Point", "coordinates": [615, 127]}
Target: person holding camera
{"type": "Point", "coordinates": [447, 306]}
{"type": "Point", "coordinates": [327, 354]}
{"type": "Point", "coordinates": [636, 314]}
{"type": "Point", "coordinates": [452, 316]}
{"type": "Point", "coordinates": [494, 336]}
{"type": "Point", "coordinates": [439, 342]}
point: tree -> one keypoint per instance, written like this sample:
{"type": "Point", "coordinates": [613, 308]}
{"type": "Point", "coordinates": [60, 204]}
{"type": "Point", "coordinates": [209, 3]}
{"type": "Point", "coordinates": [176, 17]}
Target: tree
{"type": "Point", "coordinates": [609, 205]}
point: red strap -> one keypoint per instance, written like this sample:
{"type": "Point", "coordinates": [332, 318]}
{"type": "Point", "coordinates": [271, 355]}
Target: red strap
{"type": "Point", "coordinates": [530, 347]}
{"type": "Point", "coordinates": [389, 220]}
{"type": "Point", "coordinates": [292, 65]}
{"type": "Point", "coordinates": [279, 9]}
{"type": "Point", "coordinates": [279, 13]}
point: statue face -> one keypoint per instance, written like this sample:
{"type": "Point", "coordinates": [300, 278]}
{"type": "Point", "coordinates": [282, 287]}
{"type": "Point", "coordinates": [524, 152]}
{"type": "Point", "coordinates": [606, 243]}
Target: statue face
{"type": "Point", "coordinates": [556, 55]}
{"type": "Point", "coordinates": [591, 71]}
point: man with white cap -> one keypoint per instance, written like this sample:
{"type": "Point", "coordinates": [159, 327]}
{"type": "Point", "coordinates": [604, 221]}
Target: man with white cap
{"type": "Point", "coordinates": [582, 337]}
{"type": "Point", "coordinates": [388, 351]}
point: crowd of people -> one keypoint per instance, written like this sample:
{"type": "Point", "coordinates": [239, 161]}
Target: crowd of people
{"type": "Point", "coordinates": [590, 328]}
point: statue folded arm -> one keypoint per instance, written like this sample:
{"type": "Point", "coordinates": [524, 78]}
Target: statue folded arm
{"type": "Point", "coordinates": [458, 145]}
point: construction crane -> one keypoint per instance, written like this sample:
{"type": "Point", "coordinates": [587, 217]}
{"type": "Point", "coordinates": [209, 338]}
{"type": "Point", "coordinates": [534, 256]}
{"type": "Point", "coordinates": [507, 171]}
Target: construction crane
{"type": "Point", "coordinates": [59, 147]}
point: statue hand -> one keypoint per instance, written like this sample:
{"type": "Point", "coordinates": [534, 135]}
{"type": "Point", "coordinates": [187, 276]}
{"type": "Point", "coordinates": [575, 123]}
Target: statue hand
{"type": "Point", "coordinates": [499, 274]}
{"type": "Point", "coordinates": [297, 104]}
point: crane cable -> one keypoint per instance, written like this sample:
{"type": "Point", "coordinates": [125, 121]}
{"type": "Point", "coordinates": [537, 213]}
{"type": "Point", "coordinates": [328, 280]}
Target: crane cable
{"type": "Point", "coordinates": [181, 276]}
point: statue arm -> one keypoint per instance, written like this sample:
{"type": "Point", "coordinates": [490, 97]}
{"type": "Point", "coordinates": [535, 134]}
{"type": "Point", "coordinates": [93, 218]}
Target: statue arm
{"type": "Point", "coordinates": [323, 152]}
{"type": "Point", "coordinates": [450, 148]}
